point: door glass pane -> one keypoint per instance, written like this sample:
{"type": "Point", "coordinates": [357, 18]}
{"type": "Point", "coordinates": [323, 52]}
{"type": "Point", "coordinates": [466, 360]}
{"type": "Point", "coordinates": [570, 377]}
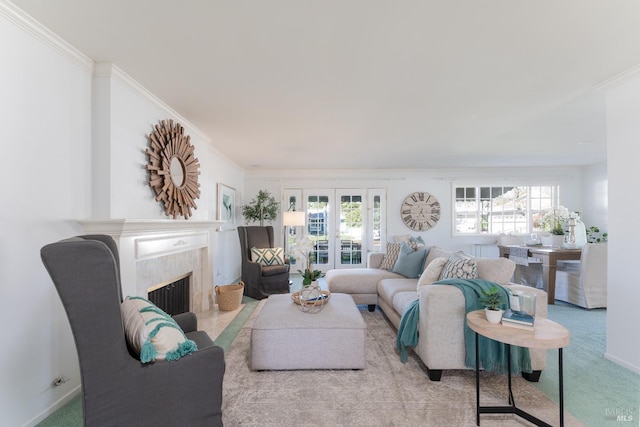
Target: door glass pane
{"type": "Point", "coordinates": [318, 228]}
{"type": "Point", "coordinates": [377, 224]}
{"type": "Point", "coordinates": [292, 233]}
{"type": "Point", "coordinates": [351, 229]}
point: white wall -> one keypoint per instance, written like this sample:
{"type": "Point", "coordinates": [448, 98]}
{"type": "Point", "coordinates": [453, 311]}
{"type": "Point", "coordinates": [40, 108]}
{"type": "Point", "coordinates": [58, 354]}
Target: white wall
{"type": "Point", "coordinates": [623, 151]}
{"type": "Point", "coordinates": [73, 148]}
{"type": "Point", "coordinates": [437, 182]}
{"type": "Point", "coordinates": [596, 197]}
{"type": "Point", "coordinates": [45, 108]}
{"type": "Point", "coordinates": [53, 109]}
{"type": "Point", "coordinates": [128, 113]}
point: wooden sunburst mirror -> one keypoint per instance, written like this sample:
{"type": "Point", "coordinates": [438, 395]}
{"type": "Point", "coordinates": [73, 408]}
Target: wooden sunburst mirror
{"type": "Point", "coordinates": [173, 169]}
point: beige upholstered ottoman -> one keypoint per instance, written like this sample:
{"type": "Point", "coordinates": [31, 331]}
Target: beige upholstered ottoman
{"type": "Point", "coordinates": [283, 337]}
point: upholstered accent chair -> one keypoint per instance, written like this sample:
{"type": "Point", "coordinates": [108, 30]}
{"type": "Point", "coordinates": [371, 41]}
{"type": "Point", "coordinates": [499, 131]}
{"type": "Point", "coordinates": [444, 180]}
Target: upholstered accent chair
{"type": "Point", "coordinates": [584, 283]}
{"type": "Point", "coordinates": [117, 389]}
{"type": "Point", "coordinates": [260, 281]}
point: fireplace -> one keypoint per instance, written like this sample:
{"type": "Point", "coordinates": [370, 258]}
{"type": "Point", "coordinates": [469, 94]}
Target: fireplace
{"type": "Point", "coordinates": [173, 297]}
{"type": "Point", "coordinates": [154, 252]}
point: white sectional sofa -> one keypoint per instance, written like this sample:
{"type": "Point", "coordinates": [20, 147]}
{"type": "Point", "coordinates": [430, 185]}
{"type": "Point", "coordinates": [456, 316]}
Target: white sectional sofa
{"type": "Point", "coordinates": [441, 343]}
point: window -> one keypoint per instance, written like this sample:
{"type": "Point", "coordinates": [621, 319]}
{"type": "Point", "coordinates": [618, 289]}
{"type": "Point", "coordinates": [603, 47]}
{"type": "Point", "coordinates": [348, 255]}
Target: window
{"type": "Point", "coordinates": [501, 209]}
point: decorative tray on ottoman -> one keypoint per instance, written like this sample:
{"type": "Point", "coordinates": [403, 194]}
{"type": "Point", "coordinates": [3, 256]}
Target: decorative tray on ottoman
{"type": "Point", "coordinates": [316, 302]}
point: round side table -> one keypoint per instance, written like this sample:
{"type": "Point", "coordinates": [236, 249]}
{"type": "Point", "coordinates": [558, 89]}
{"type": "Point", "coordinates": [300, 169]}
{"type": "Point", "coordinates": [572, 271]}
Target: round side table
{"type": "Point", "coordinates": [546, 334]}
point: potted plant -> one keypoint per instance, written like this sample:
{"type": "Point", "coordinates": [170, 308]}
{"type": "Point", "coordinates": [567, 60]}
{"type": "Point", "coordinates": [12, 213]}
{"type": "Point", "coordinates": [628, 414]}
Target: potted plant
{"type": "Point", "coordinates": [302, 251]}
{"type": "Point", "coordinates": [595, 236]}
{"type": "Point", "coordinates": [553, 221]}
{"type": "Point", "coordinates": [492, 298]}
{"type": "Point", "coordinates": [263, 207]}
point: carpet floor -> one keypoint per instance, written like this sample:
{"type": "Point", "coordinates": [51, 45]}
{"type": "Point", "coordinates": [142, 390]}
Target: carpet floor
{"type": "Point", "coordinates": [385, 393]}
{"type": "Point", "coordinates": [597, 391]}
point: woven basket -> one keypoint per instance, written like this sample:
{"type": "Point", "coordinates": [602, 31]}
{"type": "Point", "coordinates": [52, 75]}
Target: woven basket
{"type": "Point", "coordinates": [229, 296]}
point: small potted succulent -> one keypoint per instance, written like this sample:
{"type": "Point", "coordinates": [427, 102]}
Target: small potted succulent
{"type": "Point", "coordinates": [492, 298]}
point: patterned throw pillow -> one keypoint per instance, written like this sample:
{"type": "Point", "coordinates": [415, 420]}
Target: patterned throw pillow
{"type": "Point", "coordinates": [459, 266]}
{"type": "Point", "coordinates": [152, 333]}
{"type": "Point", "coordinates": [268, 256]}
{"type": "Point", "coordinates": [391, 256]}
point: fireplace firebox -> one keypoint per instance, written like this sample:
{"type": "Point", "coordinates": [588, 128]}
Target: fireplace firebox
{"type": "Point", "coordinates": [172, 297]}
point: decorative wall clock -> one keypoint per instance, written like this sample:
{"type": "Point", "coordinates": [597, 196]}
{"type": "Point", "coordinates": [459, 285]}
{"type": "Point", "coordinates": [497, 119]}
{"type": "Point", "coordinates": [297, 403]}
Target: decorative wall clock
{"type": "Point", "coordinates": [420, 211]}
{"type": "Point", "coordinates": [173, 169]}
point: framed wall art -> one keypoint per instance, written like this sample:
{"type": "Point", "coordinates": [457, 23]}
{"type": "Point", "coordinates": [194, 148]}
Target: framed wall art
{"type": "Point", "coordinates": [227, 205]}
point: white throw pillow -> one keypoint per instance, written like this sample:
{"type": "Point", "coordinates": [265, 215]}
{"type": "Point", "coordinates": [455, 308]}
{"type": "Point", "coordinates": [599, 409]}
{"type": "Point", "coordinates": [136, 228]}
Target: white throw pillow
{"type": "Point", "coordinates": [432, 272]}
{"type": "Point", "coordinates": [267, 256]}
{"type": "Point", "coordinates": [152, 333]}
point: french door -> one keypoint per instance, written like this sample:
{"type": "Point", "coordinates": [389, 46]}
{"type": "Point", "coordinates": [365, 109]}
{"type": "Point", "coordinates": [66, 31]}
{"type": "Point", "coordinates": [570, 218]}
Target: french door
{"type": "Point", "coordinates": [343, 224]}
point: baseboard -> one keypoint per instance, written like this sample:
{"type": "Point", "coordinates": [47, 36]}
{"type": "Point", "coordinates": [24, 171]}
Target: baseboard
{"type": "Point", "coordinates": [622, 363]}
{"type": "Point", "coordinates": [53, 408]}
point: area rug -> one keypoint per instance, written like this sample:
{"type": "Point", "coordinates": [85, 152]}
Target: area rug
{"type": "Point", "coordinates": [385, 393]}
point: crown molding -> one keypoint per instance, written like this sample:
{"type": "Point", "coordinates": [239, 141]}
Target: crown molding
{"type": "Point", "coordinates": [111, 70]}
{"type": "Point", "coordinates": [618, 78]}
{"type": "Point", "coordinates": [31, 26]}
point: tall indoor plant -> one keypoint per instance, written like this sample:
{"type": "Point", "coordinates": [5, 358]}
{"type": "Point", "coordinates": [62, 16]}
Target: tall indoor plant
{"type": "Point", "coordinates": [263, 207]}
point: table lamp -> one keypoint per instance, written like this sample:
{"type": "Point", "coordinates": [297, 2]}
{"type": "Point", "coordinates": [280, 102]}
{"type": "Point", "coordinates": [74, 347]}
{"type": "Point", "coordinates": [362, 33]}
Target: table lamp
{"type": "Point", "coordinates": [291, 219]}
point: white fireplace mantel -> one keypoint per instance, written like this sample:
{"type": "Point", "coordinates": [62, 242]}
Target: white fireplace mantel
{"type": "Point", "coordinates": [144, 239]}
{"type": "Point", "coordinates": [118, 227]}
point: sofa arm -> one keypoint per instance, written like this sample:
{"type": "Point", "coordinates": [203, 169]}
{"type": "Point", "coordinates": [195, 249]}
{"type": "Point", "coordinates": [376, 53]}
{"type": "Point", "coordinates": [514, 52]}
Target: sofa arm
{"type": "Point", "coordinates": [441, 326]}
{"type": "Point", "coordinates": [374, 259]}
{"type": "Point", "coordinates": [188, 321]}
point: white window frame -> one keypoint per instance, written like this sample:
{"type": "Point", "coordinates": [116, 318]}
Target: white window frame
{"type": "Point", "coordinates": [528, 209]}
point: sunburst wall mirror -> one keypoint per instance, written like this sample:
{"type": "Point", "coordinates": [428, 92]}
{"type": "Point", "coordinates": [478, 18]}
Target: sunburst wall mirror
{"type": "Point", "coordinates": [173, 169]}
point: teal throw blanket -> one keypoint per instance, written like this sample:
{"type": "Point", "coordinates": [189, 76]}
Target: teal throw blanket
{"type": "Point", "coordinates": [408, 330]}
{"type": "Point", "coordinates": [493, 355]}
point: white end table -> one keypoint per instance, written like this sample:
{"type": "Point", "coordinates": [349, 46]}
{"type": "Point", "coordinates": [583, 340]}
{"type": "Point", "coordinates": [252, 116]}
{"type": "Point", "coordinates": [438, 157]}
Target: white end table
{"type": "Point", "coordinates": [547, 334]}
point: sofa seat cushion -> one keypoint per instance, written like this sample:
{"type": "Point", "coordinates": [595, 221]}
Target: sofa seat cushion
{"type": "Point", "coordinates": [388, 288]}
{"type": "Point", "coordinates": [402, 299]}
{"type": "Point", "coordinates": [357, 280]}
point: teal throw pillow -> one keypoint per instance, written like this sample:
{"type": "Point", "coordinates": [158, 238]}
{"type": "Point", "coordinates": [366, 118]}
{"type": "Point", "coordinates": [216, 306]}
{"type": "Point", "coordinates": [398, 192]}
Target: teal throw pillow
{"type": "Point", "coordinates": [410, 262]}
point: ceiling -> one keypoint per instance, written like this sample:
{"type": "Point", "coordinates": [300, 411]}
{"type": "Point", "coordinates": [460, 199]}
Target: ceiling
{"type": "Point", "coordinates": [365, 84]}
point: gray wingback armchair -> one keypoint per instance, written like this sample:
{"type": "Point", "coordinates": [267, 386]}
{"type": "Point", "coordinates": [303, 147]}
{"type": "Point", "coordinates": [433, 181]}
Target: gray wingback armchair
{"type": "Point", "coordinates": [260, 281]}
{"type": "Point", "coordinates": [117, 389]}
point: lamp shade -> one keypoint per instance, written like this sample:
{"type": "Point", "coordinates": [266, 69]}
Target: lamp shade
{"type": "Point", "coordinates": [293, 218]}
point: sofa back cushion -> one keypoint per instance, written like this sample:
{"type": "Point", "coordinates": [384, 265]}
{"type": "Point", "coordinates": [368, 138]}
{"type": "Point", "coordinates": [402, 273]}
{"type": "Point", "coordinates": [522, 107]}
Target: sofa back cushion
{"type": "Point", "coordinates": [499, 270]}
{"type": "Point", "coordinates": [436, 252]}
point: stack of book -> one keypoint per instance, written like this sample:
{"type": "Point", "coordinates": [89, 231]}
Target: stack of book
{"type": "Point", "coordinates": [518, 320]}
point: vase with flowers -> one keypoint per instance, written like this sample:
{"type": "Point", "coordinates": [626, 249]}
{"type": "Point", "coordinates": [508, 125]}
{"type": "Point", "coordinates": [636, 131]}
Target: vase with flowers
{"type": "Point", "coordinates": [302, 253]}
{"type": "Point", "coordinates": [557, 221]}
